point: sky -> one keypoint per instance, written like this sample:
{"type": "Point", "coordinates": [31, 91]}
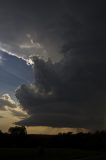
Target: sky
{"type": "Point", "coordinates": [53, 65]}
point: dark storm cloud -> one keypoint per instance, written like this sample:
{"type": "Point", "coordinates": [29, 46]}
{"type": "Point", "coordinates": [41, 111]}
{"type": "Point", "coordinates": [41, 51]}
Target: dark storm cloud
{"type": "Point", "coordinates": [70, 93]}
{"type": "Point", "coordinates": [20, 19]}
{"type": "Point", "coordinates": [65, 94]}
{"type": "Point", "coordinates": [60, 25]}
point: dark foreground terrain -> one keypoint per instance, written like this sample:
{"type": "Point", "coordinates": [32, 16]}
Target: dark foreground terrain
{"type": "Point", "coordinates": [81, 146]}
{"type": "Point", "coordinates": [51, 154]}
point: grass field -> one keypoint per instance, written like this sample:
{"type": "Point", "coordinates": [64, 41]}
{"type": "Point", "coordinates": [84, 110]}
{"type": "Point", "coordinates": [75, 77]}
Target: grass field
{"type": "Point", "coordinates": [51, 154]}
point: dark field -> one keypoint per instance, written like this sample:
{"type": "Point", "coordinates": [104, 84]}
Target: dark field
{"type": "Point", "coordinates": [51, 154]}
{"type": "Point", "coordinates": [81, 146]}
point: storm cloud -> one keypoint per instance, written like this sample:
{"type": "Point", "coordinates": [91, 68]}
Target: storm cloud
{"type": "Point", "coordinates": [49, 28]}
{"type": "Point", "coordinates": [68, 36]}
{"type": "Point", "coordinates": [66, 94]}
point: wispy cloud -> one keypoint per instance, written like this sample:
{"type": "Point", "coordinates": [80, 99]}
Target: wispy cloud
{"type": "Point", "coordinates": [8, 104]}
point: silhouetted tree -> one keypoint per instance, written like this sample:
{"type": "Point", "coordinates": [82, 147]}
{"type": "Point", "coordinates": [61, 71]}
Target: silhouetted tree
{"type": "Point", "coordinates": [17, 130]}
{"type": "Point", "coordinates": [1, 132]}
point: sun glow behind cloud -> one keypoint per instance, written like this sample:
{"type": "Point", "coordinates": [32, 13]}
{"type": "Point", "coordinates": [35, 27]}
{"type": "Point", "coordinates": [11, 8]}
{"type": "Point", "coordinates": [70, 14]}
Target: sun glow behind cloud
{"type": "Point", "coordinates": [31, 44]}
{"type": "Point", "coordinates": [7, 49]}
{"type": "Point", "coordinates": [7, 120]}
{"type": "Point", "coordinates": [10, 108]}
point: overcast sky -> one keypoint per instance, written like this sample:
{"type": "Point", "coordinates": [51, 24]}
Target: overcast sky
{"type": "Point", "coordinates": [53, 64]}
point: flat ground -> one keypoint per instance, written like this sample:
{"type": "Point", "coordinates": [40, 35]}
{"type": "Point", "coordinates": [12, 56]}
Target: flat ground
{"type": "Point", "coordinates": [51, 154]}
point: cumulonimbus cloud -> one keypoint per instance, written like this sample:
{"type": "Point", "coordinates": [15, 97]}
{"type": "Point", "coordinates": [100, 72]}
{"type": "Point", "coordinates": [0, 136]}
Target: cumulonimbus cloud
{"type": "Point", "coordinates": [70, 93]}
{"type": "Point", "coordinates": [65, 94]}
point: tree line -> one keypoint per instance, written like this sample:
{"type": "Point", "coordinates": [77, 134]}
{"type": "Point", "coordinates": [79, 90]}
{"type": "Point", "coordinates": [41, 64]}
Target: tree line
{"type": "Point", "coordinates": [18, 137]}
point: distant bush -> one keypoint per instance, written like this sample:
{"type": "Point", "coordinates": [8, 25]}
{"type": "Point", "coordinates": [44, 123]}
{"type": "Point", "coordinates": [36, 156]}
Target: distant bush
{"type": "Point", "coordinates": [17, 130]}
